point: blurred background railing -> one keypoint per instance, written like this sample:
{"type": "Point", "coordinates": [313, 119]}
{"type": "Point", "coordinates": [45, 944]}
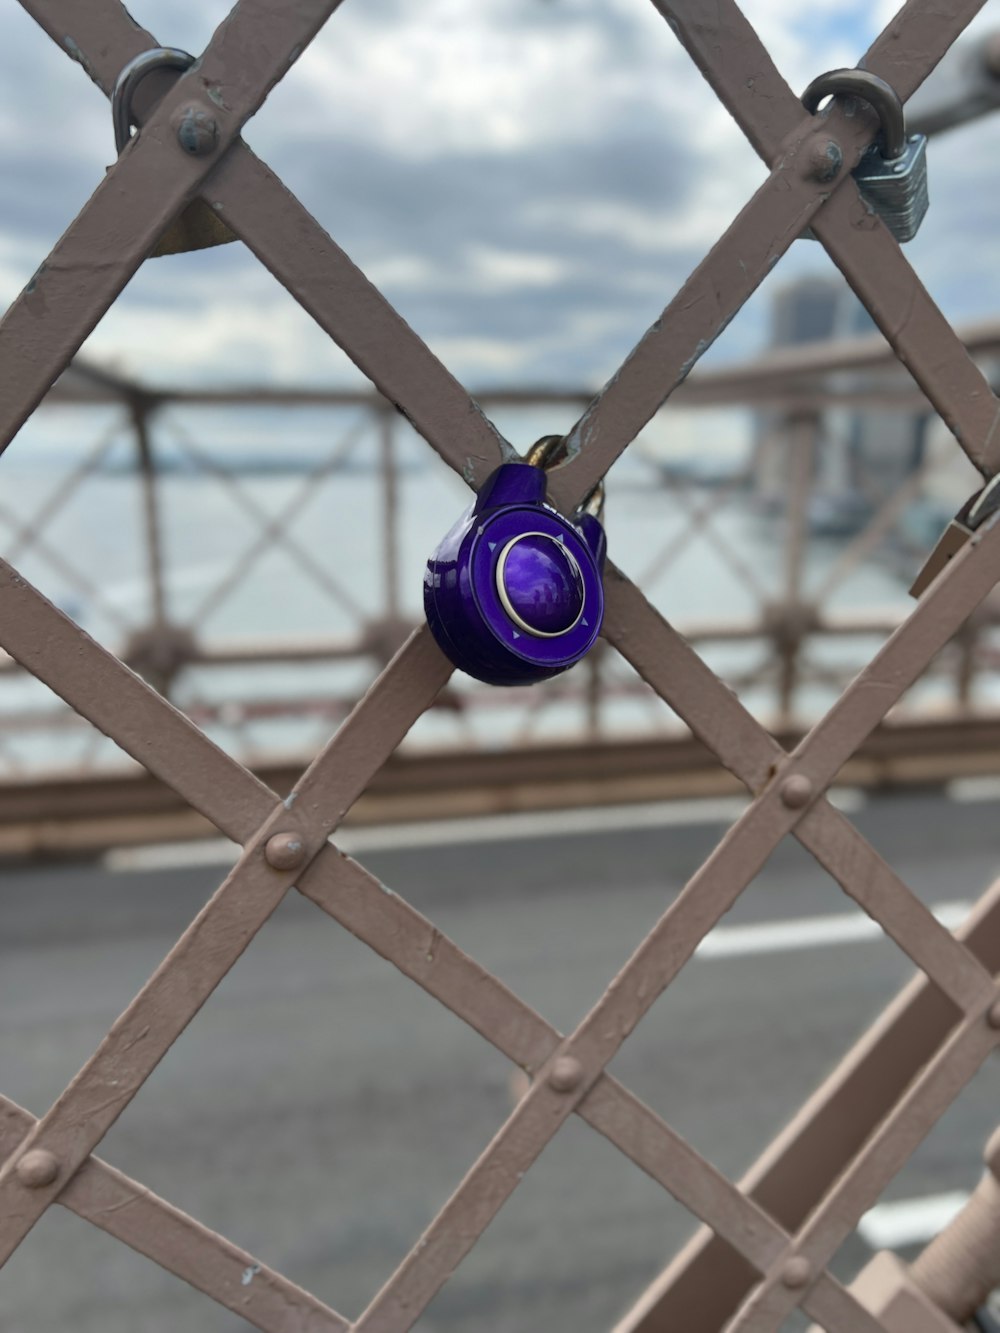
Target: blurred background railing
{"type": "Point", "coordinates": [776, 513]}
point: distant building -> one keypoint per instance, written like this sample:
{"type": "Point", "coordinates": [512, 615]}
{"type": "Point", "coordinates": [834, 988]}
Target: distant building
{"type": "Point", "coordinates": [864, 454]}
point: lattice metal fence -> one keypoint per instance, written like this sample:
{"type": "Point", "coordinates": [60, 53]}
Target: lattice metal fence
{"type": "Point", "coordinates": [786, 1233]}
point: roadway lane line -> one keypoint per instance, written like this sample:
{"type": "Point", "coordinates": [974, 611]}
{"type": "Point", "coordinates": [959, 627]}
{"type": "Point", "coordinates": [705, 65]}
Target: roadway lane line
{"type": "Point", "coordinates": [970, 791]}
{"type": "Point", "coordinates": [488, 828]}
{"type": "Point", "coordinates": [892, 1226]}
{"type": "Point", "coordinates": [809, 932]}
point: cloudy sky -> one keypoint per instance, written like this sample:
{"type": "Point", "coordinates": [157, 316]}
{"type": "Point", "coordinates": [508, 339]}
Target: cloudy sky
{"type": "Point", "coordinates": [529, 181]}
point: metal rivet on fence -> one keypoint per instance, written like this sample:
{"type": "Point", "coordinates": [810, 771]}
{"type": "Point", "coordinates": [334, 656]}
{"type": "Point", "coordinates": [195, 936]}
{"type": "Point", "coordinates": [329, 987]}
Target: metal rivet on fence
{"type": "Point", "coordinates": [796, 791]}
{"type": "Point", "coordinates": [37, 1168]}
{"type": "Point", "coordinates": [566, 1074]}
{"type": "Point", "coordinates": [285, 851]}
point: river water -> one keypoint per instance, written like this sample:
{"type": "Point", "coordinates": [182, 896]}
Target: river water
{"type": "Point", "coordinates": [90, 557]}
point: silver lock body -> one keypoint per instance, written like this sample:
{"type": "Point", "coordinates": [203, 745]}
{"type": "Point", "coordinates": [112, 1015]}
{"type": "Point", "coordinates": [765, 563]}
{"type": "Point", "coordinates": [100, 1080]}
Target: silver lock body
{"type": "Point", "coordinates": [896, 187]}
{"type": "Point", "coordinates": [892, 175]}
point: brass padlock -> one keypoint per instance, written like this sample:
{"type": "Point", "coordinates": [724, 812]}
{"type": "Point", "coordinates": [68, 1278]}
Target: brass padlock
{"type": "Point", "coordinates": [197, 227]}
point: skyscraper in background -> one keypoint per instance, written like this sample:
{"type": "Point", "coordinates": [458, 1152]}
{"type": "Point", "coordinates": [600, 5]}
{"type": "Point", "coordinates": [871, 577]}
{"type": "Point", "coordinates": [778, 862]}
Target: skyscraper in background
{"type": "Point", "coordinates": [863, 454]}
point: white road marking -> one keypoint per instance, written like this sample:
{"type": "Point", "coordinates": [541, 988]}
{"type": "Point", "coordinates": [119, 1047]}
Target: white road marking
{"type": "Point", "coordinates": [809, 932]}
{"type": "Point", "coordinates": [891, 1226]}
{"type": "Point", "coordinates": [171, 856]}
{"type": "Point", "coordinates": [968, 791]}
{"type": "Point", "coordinates": [488, 828]}
{"type": "Point", "coordinates": [765, 937]}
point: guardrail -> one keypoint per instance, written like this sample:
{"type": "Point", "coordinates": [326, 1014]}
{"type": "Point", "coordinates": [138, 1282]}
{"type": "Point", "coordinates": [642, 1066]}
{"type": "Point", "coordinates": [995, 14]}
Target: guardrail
{"type": "Point", "coordinates": [210, 503]}
{"type": "Point", "coordinates": [766, 1244]}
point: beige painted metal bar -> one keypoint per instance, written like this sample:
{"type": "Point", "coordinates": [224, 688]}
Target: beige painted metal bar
{"type": "Point", "coordinates": [418, 949]}
{"type": "Point", "coordinates": [672, 941]}
{"type": "Point", "coordinates": [289, 242]}
{"type": "Point", "coordinates": [292, 244]}
{"type": "Point", "coordinates": [681, 678]}
{"type": "Point", "coordinates": [220, 933]}
{"type": "Point", "coordinates": [284, 236]}
{"type": "Point", "coordinates": [288, 836]}
{"type": "Point", "coordinates": [837, 1310]}
{"type": "Point", "coordinates": [872, 262]}
{"type": "Point", "coordinates": [735, 63]}
{"type": "Point", "coordinates": [623, 1119]}
{"type": "Point", "coordinates": [357, 901]}
{"type": "Point", "coordinates": [706, 1281]}
{"type": "Point", "coordinates": [741, 73]}
{"type": "Point", "coordinates": [350, 895]}
{"type": "Point", "coordinates": [412, 944]}
{"type": "Point", "coordinates": [103, 690]}
{"type": "Point", "coordinates": [728, 276]}
{"type": "Point", "coordinates": [892, 1143]}
{"type": "Point", "coordinates": [878, 889]}
{"type": "Point", "coordinates": [146, 187]}
{"type": "Point", "coordinates": [148, 1224]}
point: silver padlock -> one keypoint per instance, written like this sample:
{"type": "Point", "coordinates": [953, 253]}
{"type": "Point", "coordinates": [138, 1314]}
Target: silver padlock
{"type": "Point", "coordinates": [892, 175]}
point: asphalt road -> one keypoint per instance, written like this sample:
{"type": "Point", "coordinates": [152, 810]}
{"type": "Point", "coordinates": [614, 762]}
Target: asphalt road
{"type": "Point", "coordinates": [321, 1109]}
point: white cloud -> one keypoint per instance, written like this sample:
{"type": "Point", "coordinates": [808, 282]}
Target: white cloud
{"type": "Point", "coordinates": [499, 269]}
{"type": "Point", "coordinates": [529, 180]}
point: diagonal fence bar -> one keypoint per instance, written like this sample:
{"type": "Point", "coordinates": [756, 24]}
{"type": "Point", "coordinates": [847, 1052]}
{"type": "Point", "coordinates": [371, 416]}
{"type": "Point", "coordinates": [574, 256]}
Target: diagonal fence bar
{"type": "Point", "coordinates": [672, 941]}
{"type": "Point", "coordinates": [883, 1155]}
{"type": "Point", "coordinates": [350, 895]}
{"type": "Point", "coordinates": [155, 177]}
{"type": "Point", "coordinates": [221, 931]}
{"type": "Point", "coordinates": [377, 340]}
{"type": "Point", "coordinates": [741, 73]}
{"type": "Point", "coordinates": [664, 660]}
{"type": "Point", "coordinates": [211, 1264]}
{"type": "Point", "coordinates": [719, 720]}
{"type": "Point", "coordinates": [707, 1281]}
{"type": "Point", "coordinates": [292, 244]}
{"type": "Point", "coordinates": [391, 927]}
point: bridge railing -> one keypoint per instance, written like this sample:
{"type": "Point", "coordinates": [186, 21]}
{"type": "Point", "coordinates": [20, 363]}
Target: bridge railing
{"type": "Point", "coordinates": [192, 532]}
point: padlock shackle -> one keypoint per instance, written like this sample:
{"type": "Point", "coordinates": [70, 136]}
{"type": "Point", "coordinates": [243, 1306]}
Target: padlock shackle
{"type": "Point", "coordinates": [547, 452]}
{"type": "Point", "coordinates": [983, 505]}
{"type": "Point", "coordinates": [550, 451]}
{"type": "Point", "coordinates": [592, 503]}
{"type": "Point", "coordinates": [880, 96]}
{"type": "Point", "coordinates": [132, 74]}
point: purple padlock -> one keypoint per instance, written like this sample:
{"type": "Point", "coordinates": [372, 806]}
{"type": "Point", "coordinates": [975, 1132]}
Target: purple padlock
{"type": "Point", "coordinates": [513, 594]}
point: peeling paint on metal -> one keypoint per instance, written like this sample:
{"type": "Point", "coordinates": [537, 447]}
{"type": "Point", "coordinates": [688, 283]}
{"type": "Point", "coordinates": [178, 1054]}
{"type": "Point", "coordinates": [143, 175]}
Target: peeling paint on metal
{"type": "Point", "coordinates": [703, 345]}
{"type": "Point", "coordinates": [392, 929]}
{"type": "Point", "coordinates": [79, 55]}
{"type": "Point", "coordinates": [33, 280]}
